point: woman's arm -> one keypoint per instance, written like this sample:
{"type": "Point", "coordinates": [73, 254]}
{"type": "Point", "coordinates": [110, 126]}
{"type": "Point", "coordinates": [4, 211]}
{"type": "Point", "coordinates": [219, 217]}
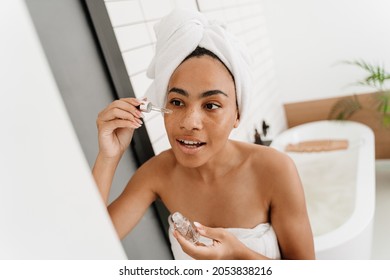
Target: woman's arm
{"type": "Point", "coordinates": [116, 125]}
{"type": "Point", "coordinates": [288, 213]}
{"type": "Point", "coordinates": [103, 172]}
{"type": "Point", "coordinates": [139, 194]}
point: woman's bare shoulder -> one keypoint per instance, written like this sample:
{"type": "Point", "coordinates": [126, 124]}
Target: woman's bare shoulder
{"type": "Point", "coordinates": [263, 155]}
{"type": "Point", "coordinates": [279, 170]}
{"type": "Point", "coordinates": [268, 163]}
{"type": "Point", "coordinates": [158, 165]}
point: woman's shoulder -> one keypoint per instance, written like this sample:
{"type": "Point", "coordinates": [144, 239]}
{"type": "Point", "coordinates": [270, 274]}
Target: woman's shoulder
{"type": "Point", "coordinates": [154, 172]}
{"type": "Point", "coordinates": [266, 158]}
{"type": "Point", "coordinates": [257, 152]}
{"type": "Point", "coordinates": [159, 164]}
{"type": "Point", "coordinates": [162, 161]}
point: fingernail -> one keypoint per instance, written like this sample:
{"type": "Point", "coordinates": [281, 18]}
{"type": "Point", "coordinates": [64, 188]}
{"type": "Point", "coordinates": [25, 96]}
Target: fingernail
{"type": "Point", "coordinates": [198, 225]}
{"type": "Point", "coordinates": [139, 114]}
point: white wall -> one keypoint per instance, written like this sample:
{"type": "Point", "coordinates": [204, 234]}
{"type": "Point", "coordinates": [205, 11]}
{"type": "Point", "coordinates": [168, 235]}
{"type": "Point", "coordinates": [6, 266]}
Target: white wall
{"type": "Point", "coordinates": [85, 88]}
{"type": "Point", "coordinates": [133, 21]}
{"type": "Point", "coordinates": [246, 20]}
{"type": "Point", "coordinates": [308, 37]}
{"type": "Point", "coordinates": [295, 45]}
{"type": "Point", "coordinates": [50, 207]}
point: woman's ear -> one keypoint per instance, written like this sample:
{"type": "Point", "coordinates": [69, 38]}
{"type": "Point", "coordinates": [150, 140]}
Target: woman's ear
{"type": "Point", "coordinates": [237, 121]}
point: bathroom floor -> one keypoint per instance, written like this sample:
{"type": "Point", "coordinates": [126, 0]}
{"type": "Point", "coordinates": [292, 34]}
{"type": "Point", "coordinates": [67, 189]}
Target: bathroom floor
{"type": "Point", "coordinates": [381, 242]}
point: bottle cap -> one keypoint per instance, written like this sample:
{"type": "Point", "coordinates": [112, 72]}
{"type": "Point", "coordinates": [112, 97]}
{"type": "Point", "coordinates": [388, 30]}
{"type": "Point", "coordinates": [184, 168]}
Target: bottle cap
{"type": "Point", "coordinates": [178, 219]}
{"type": "Point", "coordinates": [145, 106]}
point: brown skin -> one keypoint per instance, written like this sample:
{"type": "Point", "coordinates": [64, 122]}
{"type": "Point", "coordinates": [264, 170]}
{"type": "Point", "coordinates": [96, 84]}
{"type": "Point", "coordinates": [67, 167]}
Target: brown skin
{"type": "Point", "coordinates": [221, 184]}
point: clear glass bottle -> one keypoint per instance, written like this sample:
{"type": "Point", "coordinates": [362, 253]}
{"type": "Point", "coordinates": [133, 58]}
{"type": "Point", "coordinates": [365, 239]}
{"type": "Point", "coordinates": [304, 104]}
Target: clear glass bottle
{"type": "Point", "coordinates": [184, 226]}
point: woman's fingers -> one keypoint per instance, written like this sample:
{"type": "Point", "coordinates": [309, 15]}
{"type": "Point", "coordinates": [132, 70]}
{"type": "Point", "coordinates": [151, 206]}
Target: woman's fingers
{"type": "Point", "coordinates": [117, 113]}
{"type": "Point", "coordinates": [197, 251]}
{"type": "Point", "coordinates": [123, 108]}
{"type": "Point", "coordinates": [224, 245]}
{"type": "Point", "coordinates": [212, 233]}
{"type": "Point", "coordinates": [133, 104]}
{"type": "Point", "coordinates": [117, 119]}
{"type": "Point", "coordinates": [132, 101]}
{"type": "Point", "coordinates": [118, 123]}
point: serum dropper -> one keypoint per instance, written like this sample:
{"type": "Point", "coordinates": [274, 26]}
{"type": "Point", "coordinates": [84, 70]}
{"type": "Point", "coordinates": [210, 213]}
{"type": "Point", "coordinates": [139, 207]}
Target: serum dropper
{"type": "Point", "coordinates": [147, 107]}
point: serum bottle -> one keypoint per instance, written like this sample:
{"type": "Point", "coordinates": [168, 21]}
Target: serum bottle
{"type": "Point", "coordinates": [184, 226]}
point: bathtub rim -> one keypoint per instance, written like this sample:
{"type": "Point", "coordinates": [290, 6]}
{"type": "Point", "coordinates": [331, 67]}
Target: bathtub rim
{"type": "Point", "coordinates": [363, 213]}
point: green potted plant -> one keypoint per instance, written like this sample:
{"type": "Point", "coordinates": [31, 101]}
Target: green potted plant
{"type": "Point", "coordinates": [376, 78]}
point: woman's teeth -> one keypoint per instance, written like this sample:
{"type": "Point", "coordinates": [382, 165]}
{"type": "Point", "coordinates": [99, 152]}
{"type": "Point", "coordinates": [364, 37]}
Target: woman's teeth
{"type": "Point", "coordinates": [191, 143]}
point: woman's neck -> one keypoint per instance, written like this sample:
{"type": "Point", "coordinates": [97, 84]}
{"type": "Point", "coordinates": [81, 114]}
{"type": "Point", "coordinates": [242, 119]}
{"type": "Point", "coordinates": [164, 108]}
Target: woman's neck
{"type": "Point", "coordinates": [217, 167]}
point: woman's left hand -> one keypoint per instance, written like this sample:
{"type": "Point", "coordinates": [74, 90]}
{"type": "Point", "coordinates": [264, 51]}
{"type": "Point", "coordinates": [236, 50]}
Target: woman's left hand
{"type": "Point", "coordinates": [225, 245]}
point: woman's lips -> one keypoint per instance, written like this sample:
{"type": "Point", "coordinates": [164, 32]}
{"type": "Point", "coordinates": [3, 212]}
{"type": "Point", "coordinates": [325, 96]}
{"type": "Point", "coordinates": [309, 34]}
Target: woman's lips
{"type": "Point", "coordinates": [190, 146]}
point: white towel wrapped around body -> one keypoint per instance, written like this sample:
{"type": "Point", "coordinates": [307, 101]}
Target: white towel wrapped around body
{"type": "Point", "coordinates": [178, 34]}
{"type": "Point", "coordinates": [262, 239]}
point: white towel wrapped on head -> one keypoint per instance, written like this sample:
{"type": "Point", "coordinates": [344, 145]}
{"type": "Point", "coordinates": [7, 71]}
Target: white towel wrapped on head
{"type": "Point", "coordinates": [178, 34]}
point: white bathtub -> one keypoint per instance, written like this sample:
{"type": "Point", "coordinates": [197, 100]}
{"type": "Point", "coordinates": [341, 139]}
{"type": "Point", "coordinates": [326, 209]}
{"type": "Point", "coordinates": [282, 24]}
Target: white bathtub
{"type": "Point", "coordinates": [339, 187]}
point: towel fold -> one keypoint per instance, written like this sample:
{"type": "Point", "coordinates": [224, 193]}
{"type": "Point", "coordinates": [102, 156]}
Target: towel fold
{"type": "Point", "coordinates": [178, 34]}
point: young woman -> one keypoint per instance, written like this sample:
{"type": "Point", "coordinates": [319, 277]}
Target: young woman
{"type": "Point", "coordinates": [247, 199]}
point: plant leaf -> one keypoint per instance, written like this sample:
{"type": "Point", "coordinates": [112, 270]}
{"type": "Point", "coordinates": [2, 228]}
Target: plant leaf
{"type": "Point", "coordinates": [344, 108]}
{"type": "Point", "coordinates": [377, 74]}
{"type": "Point", "coordinates": [386, 120]}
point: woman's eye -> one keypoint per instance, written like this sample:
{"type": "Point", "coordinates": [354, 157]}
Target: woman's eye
{"type": "Point", "coordinates": [212, 106]}
{"type": "Point", "coordinates": [176, 102]}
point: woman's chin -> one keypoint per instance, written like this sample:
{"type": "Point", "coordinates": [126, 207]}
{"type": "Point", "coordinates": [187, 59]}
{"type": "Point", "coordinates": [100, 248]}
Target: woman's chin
{"type": "Point", "coordinates": [190, 161]}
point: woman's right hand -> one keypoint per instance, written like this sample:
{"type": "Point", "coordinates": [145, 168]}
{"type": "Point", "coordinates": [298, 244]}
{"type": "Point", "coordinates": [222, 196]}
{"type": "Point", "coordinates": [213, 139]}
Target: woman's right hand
{"type": "Point", "coordinates": [116, 125]}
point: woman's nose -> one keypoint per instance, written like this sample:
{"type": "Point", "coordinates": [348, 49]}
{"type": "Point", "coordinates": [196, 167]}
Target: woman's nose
{"type": "Point", "coordinates": [192, 119]}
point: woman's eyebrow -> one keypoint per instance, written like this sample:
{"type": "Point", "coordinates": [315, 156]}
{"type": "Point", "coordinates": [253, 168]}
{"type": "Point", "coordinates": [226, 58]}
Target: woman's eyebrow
{"type": "Point", "coordinates": [179, 91]}
{"type": "Point", "coordinates": [204, 94]}
{"type": "Point", "coordinates": [213, 92]}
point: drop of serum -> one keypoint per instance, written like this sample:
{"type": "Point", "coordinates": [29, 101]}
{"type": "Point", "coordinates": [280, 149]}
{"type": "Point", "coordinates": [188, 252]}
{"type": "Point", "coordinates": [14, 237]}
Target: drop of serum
{"type": "Point", "coordinates": [184, 226]}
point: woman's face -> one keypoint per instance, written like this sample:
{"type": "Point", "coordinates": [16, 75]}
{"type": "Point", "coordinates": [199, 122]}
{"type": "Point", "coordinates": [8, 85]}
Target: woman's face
{"type": "Point", "coordinates": [202, 96]}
